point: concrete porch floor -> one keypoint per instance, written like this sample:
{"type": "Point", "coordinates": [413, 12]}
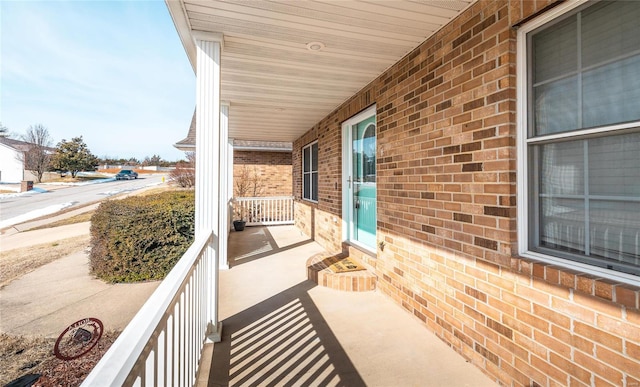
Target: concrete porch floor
{"type": "Point", "coordinates": [281, 329]}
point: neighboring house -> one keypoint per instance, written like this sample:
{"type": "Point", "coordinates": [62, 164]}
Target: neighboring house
{"type": "Point", "coordinates": [482, 158]}
{"type": "Point", "coordinates": [12, 156]}
{"type": "Point", "coordinates": [270, 160]}
{"type": "Point", "coordinates": [12, 160]}
{"type": "Point", "coordinates": [12, 168]}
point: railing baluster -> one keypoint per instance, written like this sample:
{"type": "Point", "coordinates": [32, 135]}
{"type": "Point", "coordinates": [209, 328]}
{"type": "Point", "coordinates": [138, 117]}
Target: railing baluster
{"type": "Point", "coordinates": [265, 211]}
{"type": "Point", "coordinates": [169, 354]}
{"type": "Point", "coordinates": [159, 360]}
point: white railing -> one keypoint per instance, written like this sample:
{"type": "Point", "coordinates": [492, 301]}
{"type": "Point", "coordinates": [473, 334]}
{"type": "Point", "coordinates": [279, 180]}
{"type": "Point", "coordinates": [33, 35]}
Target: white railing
{"type": "Point", "coordinates": [264, 211]}
{"type": "Point", "coordinates": [163, 343]}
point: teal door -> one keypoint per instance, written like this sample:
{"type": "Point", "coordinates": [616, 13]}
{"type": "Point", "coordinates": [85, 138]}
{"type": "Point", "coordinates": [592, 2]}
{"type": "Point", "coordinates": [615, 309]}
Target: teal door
{"type": "Point", "coordinates": [363, 147]}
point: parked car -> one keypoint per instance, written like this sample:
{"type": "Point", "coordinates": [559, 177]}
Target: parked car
{"type": "Point", "coordinates": [127, 174]}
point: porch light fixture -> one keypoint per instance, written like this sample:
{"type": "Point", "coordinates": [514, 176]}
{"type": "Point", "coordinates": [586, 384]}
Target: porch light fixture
{"type": "Point", "coordinates": [315, 46]}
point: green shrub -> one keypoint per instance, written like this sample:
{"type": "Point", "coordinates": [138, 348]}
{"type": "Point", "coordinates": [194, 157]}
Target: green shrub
{"type": "Point", "coordinates": [142, 237]}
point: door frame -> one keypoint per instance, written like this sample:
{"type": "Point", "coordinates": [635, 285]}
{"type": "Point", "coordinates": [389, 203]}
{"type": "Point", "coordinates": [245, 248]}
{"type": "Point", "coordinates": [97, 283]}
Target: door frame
{"type": "Point", "coordinates": [347, 162]}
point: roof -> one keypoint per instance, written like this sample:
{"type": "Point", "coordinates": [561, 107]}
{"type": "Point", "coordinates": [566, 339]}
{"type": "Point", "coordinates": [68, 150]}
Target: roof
{"type": "Point", "coordinates": [188, 144]}
{"type": "Point", "coordinates": [285, 65]}
{"type": "Point", "coordinates": [17, 145]}
{"type": "Point", "coordinates": [264, 146]}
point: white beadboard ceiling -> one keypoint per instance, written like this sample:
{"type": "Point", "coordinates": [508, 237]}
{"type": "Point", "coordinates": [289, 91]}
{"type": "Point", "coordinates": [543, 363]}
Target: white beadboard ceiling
{"type": "Point", "coordinates": [279, 89]}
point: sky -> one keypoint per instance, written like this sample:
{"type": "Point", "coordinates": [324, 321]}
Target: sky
{"type": "Point", "coordinates": [113, 72]}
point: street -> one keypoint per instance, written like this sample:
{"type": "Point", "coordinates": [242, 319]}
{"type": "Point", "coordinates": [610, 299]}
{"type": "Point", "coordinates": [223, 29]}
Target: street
{"type": "Point", "coordinates": [16, 209]}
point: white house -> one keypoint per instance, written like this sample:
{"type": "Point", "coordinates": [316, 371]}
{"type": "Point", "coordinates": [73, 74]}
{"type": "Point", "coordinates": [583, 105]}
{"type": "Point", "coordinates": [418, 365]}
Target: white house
{"type": "Point", "coordinates": [11, 162]}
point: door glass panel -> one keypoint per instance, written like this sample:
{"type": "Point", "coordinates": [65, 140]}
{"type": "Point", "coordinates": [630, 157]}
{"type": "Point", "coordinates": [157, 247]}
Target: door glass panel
{"type": "Point", "coordinates": [364, 181]}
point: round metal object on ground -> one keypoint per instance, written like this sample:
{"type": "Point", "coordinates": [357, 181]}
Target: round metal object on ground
{"type": "Point", "coordinates": [78, 339]}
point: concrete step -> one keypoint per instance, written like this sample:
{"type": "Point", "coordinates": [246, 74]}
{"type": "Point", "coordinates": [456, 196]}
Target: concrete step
{"type": "Point", "coordinates": [319, 271]}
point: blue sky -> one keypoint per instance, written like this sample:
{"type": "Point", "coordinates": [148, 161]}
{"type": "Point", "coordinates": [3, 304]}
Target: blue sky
{"type": "Point", "coordinates": [113, 72]}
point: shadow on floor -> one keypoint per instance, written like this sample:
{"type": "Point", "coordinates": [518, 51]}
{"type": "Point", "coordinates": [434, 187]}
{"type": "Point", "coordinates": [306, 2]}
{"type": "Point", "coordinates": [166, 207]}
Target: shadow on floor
{"type": "Point", "coordinates": [255, 243]}
{"type": "Point", "coordinates": [282, 341]}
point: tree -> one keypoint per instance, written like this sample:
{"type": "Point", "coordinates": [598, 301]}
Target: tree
{"type": "Point", "coordinates": [73, 156]}
{"type": "Point", "coordinates": [153, 160]}
{"type": "Point", "coordinates": [248, 183]}
{"type": "Point", "coordinates": [4, 131]}
{"type": "Point", "coordinates": [38, 156]}
{"type": "Point", "coordinates": [184, 173]}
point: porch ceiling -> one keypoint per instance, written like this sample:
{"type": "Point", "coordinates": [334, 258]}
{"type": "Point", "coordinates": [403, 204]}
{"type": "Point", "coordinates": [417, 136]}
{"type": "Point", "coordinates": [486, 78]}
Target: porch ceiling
{"type": "Point", "coordinates": [277, 87]}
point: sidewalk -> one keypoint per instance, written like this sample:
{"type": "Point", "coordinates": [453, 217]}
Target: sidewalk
{"type": "Point", "coordinates": [47, 300]}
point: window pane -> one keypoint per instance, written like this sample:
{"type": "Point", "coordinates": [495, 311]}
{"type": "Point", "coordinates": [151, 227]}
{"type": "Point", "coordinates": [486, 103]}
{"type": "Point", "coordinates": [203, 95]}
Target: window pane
{"type": "Point", "coordinates": [306, 191]}
{"type": "Point", "coordinates": [555, 50]}
{"type": "Point", "coordinates": [614, 166]}
{"type": "Point", "coordinates": [610, 30]}
{"type": "Point", "coordinates": [556, 106]}
{"type": "Point", "coordinates": [562, 168]}
{"type": "Point", "coordinates": [314, 184]}
{"type": "Point", "coordinates": [586, 189]}
{"type": "Point", "coordinates": [314, 157]}
{"type": "Point", "coordinates": [611, 93]}
{"type": "Point", "coordinates": [615, 231]}
{"type": "Point", "coordinates": [306, 159]}
{"type": "Point", "coordinates": [566, 210]}
{"type": "Point", "coordinates": [562, 224]}
{"type": "Point", "coordinates": [369, 154]}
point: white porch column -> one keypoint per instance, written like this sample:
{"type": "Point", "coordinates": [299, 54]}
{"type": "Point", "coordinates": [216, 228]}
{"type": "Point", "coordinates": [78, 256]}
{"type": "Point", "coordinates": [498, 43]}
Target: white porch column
{"type": "Point", "coordinates": [209, 48]}
{"type": "Point", "coordinates": [223, 224]}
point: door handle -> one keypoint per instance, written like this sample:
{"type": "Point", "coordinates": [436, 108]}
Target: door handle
{"type": "Point", "coordinates": [349, 181]}
{"type": "Point", "coordinates": [357, 204]}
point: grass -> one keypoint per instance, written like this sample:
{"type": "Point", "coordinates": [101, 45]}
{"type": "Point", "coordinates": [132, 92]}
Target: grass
{"type": "Point", "coordinates": [17, 262]}
{"type": "Point", "coordinates": [21, 355]}
{"type": "Point", "coordinates": [84, 217]}
{"type": "Point", "coordinates": [77, 179]}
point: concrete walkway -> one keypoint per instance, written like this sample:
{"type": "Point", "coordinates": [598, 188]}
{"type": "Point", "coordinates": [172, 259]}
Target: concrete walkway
{"type": "Point", "coordinates": [47, 300]}
{"type": "Point", "coordinates": [15, 240]}
{"type": "Point", "coordinates": [281, 329]}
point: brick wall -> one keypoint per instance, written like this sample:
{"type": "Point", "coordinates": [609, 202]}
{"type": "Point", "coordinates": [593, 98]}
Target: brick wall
{"type": "Point", "coordinates": [446, 178]}
{"type": "Point", "coordinates": [273, 169]}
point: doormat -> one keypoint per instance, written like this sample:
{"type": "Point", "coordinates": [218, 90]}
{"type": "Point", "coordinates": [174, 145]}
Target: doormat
{"type": "Point", "coordinates": [345, 265]}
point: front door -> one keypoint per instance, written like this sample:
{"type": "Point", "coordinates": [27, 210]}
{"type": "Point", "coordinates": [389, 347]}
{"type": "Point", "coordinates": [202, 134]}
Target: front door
{"type": "Point", "coordinates": [360, 140]}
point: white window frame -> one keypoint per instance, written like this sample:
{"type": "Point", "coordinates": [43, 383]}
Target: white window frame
{"type": "Point", "coordinates": [523, 189]}
{"type": "Point", "coordinates": [311, 171]}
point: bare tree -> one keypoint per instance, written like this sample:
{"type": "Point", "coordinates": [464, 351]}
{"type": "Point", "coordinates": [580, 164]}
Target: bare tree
{"type": "Point", "coordinates": [184, 173]}
{"type": "Point", "coordinates": [38, 156]}
{"type": "Point", "coordinates": [4, 131]}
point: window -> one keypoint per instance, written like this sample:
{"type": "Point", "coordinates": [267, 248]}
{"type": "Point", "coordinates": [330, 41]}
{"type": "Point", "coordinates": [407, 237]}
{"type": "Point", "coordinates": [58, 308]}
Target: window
{"type": "Point", "coordinates": [579, 149]}
{"type": "Point", "coordinates": [310, 172]}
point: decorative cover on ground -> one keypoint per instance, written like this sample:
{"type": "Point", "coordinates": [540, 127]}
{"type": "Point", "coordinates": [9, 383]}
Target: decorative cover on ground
{"type": "Point", "coordinates": [343, 265]}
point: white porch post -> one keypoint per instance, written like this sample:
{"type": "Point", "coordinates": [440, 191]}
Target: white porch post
{"type": "Point", "coordinates": [209, 48]}
{"type": "Point", "coordinates": [230, 179]}
{"type": "Point", "coordinates": [223, 224]}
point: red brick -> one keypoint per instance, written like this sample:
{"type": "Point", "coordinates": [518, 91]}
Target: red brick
{"type": "Point", "coordinates": [605, 371]}
{"type": "Point", "coordinates": [446, 209]}
{"type": "Point", "coordinates": [629, 366]}
{"type": "Point", "coordinates": [627, 296]}
{"type": "Point", "coordinates": [598, 335]}
{"type": "Point", "coordinates": [580, 373]}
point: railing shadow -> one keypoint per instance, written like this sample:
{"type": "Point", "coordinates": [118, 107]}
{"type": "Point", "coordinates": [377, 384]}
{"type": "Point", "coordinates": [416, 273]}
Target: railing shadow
{"type": "Point", "coordinates": [282, 341]}
{"type": "Point", "coordinates": [255, 243]}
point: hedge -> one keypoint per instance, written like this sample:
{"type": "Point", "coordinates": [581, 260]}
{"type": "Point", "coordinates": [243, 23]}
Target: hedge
{"type": "Point", "coordinates": [141, 238]}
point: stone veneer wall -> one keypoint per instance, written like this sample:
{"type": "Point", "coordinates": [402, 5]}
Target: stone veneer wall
{"type": "Point", "coordinates": [273, 167]}
{"type": "Point", "coordinates": [447, 214]}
